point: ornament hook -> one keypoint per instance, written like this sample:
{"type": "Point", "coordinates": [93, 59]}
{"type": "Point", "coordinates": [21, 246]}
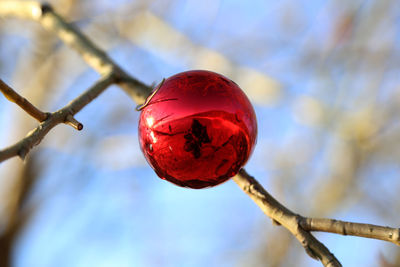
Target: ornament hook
{"type": "Point", "coordinates": [140, 107]}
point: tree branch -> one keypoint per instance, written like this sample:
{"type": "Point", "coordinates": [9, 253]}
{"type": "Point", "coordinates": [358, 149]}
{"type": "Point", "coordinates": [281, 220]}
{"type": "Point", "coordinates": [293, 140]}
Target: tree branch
{"type": "Point", "coordinates": [64, 115]}
{"type": "Point", "coordinates": [350, 228]}
{"type": "Point", "coordinates": [283, 216]}
{"type": "Point", "coordinates": [94, 56]}
{"type": "Point", "coordinates": [13, 96]}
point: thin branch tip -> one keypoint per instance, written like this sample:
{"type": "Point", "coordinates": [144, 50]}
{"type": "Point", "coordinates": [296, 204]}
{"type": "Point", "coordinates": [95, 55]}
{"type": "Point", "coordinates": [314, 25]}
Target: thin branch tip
{"type": "Point", "coordinates": [70, 120]}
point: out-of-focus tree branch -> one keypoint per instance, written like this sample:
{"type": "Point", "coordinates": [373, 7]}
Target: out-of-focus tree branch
{"type": "Point", "coordinates": [13, 96]}
{"type": "Point", "coordinates": [94, 56]}
{"type": "Point", "coordinates": [20, 215]}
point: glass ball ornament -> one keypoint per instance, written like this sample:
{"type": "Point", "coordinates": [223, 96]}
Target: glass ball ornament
{"type": "Point", "coordinates": [197, 129]}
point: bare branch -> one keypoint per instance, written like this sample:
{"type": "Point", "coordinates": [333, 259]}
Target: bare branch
{"type": "Point", "coordinates": [63, 115]}
{"type": "Point", "coordinates": [350, 228]}
{"type": "Point", "coordinates": [301, 226]}
{"type": "Point", "coordinates": [13, 96]}
{"type": "Point", "coordinates": [279, 213]}
{"type": "Point", "coordinates": [93, 55]}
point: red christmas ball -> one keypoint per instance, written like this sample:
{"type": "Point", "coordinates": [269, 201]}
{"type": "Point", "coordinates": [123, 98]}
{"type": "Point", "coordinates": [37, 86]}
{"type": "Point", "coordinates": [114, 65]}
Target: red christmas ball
{"type": "Point", "coordinates": [197, 129]}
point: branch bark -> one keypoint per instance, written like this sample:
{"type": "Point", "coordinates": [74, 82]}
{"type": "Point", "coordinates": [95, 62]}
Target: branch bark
{"type": "Point", "coordinates": [70, 35]}
{"type": "Point", "coordinates": [351, 228]}
{"type": "Point", "coordinates": [285, 217]}
{"type": "Point", "coordinates": [13, 96]}
{"type": "Point", "coordinates": [64, 115]}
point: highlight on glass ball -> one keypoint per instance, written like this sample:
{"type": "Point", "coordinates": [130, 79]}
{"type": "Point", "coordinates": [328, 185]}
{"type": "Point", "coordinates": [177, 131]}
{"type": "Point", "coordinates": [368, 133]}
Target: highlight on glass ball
{"type": "Point", "coordinates": [197, 129]}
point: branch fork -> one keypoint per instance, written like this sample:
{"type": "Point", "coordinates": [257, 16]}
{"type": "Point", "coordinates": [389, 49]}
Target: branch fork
{"type": "Point", "coordinates": [33, 111]}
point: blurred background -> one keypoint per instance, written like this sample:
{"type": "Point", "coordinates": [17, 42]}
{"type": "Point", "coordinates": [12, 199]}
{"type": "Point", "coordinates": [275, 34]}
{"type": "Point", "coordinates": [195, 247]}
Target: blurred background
{"type": "Point", "coordinates": [324, 80]}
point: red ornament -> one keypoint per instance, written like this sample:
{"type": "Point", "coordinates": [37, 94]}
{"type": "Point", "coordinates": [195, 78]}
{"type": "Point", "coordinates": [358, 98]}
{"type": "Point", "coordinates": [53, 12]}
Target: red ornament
{"type": "Point", "coordinates": [197, 129]}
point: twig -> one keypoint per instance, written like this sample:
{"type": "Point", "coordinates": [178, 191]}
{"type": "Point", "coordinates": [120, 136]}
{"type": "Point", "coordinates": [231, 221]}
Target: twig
{"type": "Point", "coordinates": [63, 115]}
{"type": "Point", "coordinates": [70, 120]}
{"type": "Point", "coordinates": [94, 56]}
{"type": "Point", "coordinates": [350, 228]}
{"type": "Point", "coordinates": [41, 116]}
{"type": "Point", "coordinates": [13, 96]}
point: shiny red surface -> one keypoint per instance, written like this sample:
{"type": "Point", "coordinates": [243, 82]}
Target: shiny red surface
{"type": "Point", "coordinates": [198, 129]}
